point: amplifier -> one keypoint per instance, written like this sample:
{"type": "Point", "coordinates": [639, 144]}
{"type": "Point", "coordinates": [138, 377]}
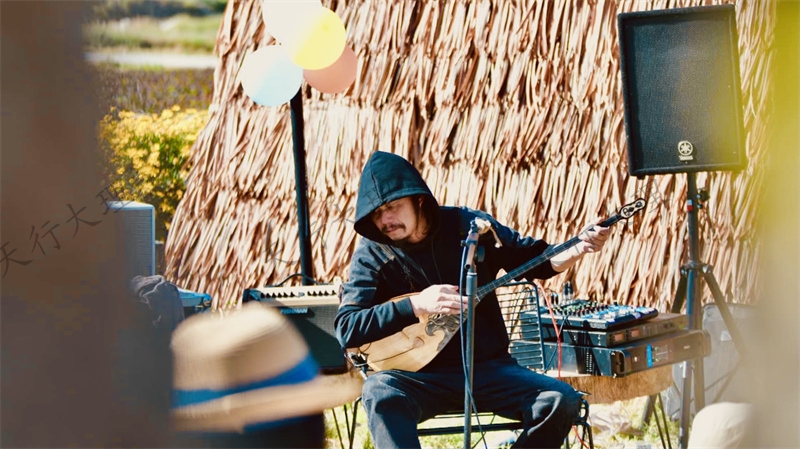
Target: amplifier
{"type": "Point", "coordinates": [661, 324]}
{"type": "Point", "coordinates": [312, 309]}
{"type": "Point", "coordinates": [618, 361]}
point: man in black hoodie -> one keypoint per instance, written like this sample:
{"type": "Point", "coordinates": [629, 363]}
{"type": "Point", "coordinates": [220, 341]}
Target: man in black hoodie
{"type": "Point", "coordinates": [412, 244]}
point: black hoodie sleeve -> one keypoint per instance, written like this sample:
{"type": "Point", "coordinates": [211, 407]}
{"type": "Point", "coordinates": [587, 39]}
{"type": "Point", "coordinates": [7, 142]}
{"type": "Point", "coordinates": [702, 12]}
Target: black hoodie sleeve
{"type": "Point", "coordinates": [366, 313]}
{"type": "Point", "coordinates": [515, 251]}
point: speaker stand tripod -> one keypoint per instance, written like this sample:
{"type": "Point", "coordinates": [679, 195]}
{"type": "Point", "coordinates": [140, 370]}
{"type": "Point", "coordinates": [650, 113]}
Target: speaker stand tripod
{"type": "Point", "coordinates": [688, 291]}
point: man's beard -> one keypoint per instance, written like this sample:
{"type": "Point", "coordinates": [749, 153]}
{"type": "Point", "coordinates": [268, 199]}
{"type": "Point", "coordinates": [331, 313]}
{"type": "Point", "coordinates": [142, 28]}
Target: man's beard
{"type": "Point", "coordinates": [405, 243]}
{"type": "Point", "coordinates": [386, 229]}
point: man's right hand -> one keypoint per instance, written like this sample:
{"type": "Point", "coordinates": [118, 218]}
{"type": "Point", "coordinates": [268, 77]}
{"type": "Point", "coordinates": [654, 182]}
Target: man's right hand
{"type": "Point", "coordinates": [443, 299]}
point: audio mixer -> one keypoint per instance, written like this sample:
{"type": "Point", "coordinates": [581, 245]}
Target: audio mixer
{"type": "Point", "coordinates": [587, 314]}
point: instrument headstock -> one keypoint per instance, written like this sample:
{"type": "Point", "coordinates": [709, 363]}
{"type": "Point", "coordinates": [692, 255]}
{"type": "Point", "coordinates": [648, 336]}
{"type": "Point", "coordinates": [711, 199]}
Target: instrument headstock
{"type": "Point", "coordinates": [628, 210]}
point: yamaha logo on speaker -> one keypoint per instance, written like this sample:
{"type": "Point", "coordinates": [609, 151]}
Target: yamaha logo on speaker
{"type": "Point", "coordinates": [685, 151]}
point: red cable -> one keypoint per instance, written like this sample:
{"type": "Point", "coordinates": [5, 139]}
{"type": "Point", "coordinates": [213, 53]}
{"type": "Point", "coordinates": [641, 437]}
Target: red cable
{"type": "Point", "coordinates": [578, 436]}
{"type": "Point", "coordinates": [558, 333]}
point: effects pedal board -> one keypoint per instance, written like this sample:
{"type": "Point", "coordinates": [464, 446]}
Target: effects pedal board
{"type": "Point", "coordinates": [587, 314]}
{"type": "Point", "coordinates": [620, 361]}
{"type": "Point", "coordinates": [661, 324]}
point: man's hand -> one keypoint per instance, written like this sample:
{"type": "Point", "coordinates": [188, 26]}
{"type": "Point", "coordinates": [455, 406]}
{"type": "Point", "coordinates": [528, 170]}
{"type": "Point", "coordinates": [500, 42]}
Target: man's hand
{"type": "Point", "coordinates": [443, 299]}
{"type": "Point", "coordinates": [593, 237]}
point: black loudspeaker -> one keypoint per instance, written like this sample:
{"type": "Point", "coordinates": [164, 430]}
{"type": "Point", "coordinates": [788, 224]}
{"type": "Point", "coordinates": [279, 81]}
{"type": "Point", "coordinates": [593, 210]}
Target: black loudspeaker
{"type": "Point", "coordinates": [312, 311]}
{"type": "Point", "coordinates": [681, 90]}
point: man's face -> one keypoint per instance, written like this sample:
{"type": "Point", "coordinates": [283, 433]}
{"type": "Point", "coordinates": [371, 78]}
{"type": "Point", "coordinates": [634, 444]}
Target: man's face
{"type": "Point", "coordinates": [400, 221]}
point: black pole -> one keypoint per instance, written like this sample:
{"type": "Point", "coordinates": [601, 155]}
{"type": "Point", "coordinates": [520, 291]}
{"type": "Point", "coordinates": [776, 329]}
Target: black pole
{"type": "Point", "coordinates": [301, 187]}
{"type": "Point", "coordinates": [689, 291]}
{"type": "Point", "coordinates": [471, 292]}
{"type": "Point", "coordinates": [695, 303]}
{"type": "Point", "coordinates": [471, 256]}
{"type": "Point", "coordinates": [693, 369]}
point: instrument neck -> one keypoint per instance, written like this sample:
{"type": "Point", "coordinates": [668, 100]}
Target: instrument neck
{"type": "Point", "coordinates": [548, 254]}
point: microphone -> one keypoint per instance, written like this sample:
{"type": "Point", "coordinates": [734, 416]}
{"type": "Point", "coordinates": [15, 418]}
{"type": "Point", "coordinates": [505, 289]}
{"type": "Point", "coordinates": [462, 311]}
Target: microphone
{"type": "Point", "coordinates": [482, 226]}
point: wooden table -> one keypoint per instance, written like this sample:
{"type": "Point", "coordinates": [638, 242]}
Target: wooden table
{"type": "Point", "coordinates": [605, 389]}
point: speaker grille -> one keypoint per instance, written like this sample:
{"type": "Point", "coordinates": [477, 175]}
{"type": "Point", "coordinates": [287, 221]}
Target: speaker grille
{"type": "Point", "coordinates": [135, 225]}
{"type": "Point", "coordinates": [680, 82]}
{"type": "Point", "coordinates": [316, 327]}
{"type": "Point", "coordinates": [314, 319]}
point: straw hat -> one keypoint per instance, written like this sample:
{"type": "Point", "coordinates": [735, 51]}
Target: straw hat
{"type": "Point", "coordinates": [248, 367]}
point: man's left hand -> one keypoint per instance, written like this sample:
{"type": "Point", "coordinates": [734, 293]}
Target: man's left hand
{"type": "Point", "coordinates": [593, 237]}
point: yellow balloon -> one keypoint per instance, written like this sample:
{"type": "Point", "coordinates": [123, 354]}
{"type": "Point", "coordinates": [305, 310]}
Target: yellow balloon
{"type": "Point", "coordinates": [319, 41]}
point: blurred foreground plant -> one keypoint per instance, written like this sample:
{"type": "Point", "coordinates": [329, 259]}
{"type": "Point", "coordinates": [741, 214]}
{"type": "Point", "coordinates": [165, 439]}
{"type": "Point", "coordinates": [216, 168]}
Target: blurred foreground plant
{"type": "Point", "coordinates": [147, 157]}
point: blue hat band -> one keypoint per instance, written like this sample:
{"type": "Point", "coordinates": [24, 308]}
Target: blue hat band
{"type": "Point", "coordinates": [304, 371]}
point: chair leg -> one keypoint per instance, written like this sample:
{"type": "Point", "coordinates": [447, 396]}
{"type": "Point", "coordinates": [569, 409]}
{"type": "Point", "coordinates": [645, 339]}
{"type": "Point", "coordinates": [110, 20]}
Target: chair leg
{"type": "Point", "coordinates": [586, 426]}
{"type": "Point", "coordinates": [586, 430]}
{"type": "Point", "coordinates": [336, 423]}
{"type": "Point", "coordinates": [351, 431]}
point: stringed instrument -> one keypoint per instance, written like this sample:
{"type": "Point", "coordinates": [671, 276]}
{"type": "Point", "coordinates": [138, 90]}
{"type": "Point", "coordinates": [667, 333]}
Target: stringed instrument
{"type": "Point", "coordinates": [417, 344]}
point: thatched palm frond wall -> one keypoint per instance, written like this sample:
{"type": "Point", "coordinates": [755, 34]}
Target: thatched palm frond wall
{"type": "Point", "coordinates": [514, 107]}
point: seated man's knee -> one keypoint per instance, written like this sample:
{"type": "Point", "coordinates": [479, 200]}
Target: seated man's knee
{"type": "Point", "coordinates": [382, 390]}
{"type": "Point", "coordinates": [379, 386]}
{"type": "Point", "coordinates": [569, 403]}
{"type": "Point", "coordinates": [564, 404]}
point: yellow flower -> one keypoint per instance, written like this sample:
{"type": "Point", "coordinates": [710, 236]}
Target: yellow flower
{"type": "Point", "coordinates": [134, 144]}
{"type": "Point", "coordinates": [153, 158]}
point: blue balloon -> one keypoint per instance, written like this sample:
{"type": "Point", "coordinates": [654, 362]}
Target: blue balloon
{"type": "Point", "coordinates": [269, 77]}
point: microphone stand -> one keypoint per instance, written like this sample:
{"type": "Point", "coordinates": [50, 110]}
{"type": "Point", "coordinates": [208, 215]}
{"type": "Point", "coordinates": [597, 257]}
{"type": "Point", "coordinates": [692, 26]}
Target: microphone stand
{"type": "Point", "coordinates": [471, 291]}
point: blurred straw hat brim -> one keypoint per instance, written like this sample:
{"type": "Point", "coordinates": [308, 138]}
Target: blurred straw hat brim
{"type": "Point", "coordinates": [246, 367]}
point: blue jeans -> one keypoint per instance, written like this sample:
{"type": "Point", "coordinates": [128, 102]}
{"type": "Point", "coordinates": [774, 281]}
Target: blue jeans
{"type": "Point", "coordinates": [397, 401]}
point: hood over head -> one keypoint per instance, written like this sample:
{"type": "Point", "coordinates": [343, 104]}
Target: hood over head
{"type": "Point", "coordinates": [388, 177]}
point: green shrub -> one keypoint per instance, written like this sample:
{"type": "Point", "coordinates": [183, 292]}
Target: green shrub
{"type": "Point", "coordinates": [147, 157]}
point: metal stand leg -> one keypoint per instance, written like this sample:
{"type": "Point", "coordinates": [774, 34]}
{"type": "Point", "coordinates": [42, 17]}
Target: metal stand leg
{"type": "Point", "coordinates": [722, 306]}
{"type": "Point", "coordinates": [689, 289]}
{"type": "Point", "coordinates": [664, 422]}
{"type": "Point", "coordinates": [650, 410]}
{"type": "Point", "coordinates": [692, 372]}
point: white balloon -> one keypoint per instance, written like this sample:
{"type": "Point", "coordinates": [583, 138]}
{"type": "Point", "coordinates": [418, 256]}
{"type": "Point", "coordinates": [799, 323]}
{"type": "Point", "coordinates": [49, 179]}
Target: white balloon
{"type": "Point", "coordinates": [269, 77]}
{"type": "Point", "coordinates": [282, 17]}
